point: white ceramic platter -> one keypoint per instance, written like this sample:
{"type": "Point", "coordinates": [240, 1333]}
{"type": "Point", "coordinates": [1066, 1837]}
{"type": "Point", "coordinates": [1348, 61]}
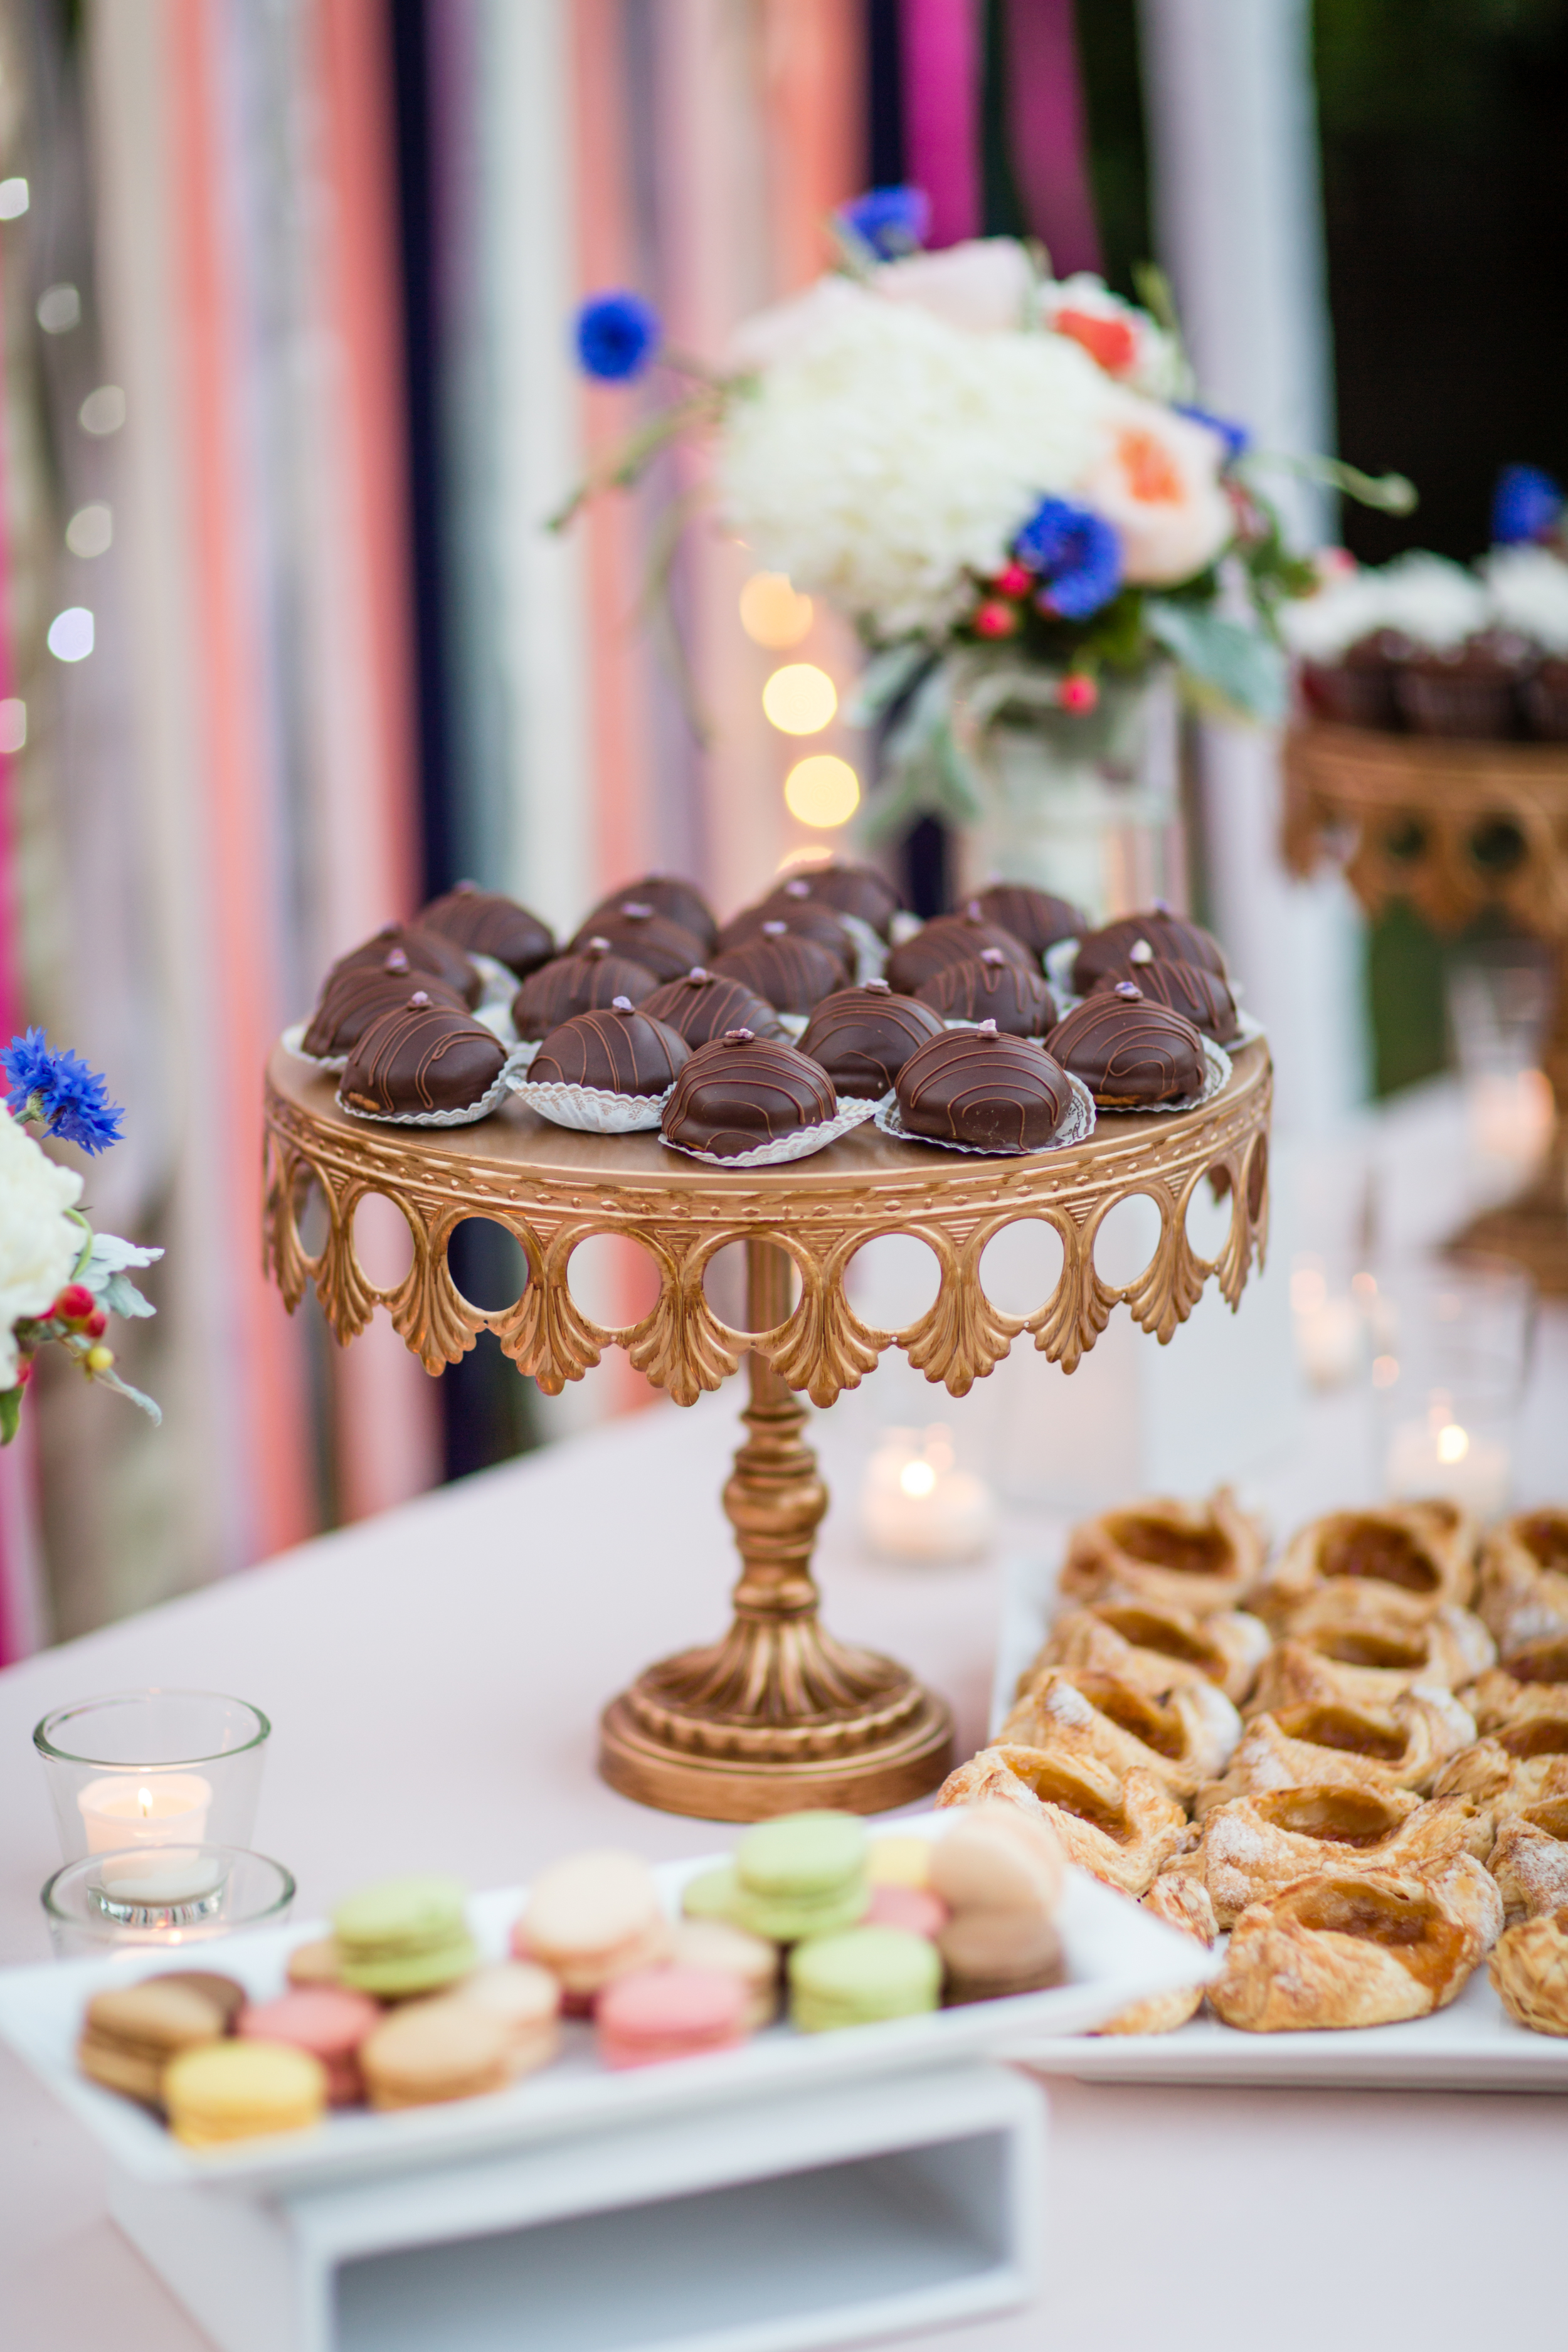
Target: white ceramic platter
{"type": "Point", "coordinates": [1116, 1955]}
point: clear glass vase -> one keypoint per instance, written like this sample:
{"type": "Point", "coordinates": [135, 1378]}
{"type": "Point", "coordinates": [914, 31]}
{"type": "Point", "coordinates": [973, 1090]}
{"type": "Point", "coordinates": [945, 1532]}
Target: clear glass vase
{"type": "Point", "coordinates": [1086, 805]}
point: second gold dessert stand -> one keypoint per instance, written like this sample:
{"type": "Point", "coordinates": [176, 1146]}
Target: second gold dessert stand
{"type": "Point", "coordinates": [778, 1714]}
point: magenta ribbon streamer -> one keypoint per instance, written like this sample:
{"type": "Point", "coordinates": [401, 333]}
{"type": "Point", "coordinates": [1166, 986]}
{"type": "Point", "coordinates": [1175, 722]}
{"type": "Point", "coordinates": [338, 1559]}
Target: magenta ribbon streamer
{"type": "Point", "coordinates": [1049, 133]}
{"type": "Point", "coordinates": [941, 69]}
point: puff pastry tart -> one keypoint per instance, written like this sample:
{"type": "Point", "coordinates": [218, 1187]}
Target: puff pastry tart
{"type": "Point", "coordinates": [1530, 1859]}
{"type": "Point", "coordinates": [1197, 1556]}
{"type": "Point", "coordinates": [1529, 1970]}
{"type": "Point", "coordinates": [1403, 1745]}
{"type": "Point", "coordinates": [1364, 1648]}
{"type": "Point", "coordinates": [1524, 1594]}
{"type": "Point", "coordinates": [1182, 1903]}
{"type": "Point", "coordinates": [1425, 1551]}
{"type": "Point", "coordinates": [1182, 1740]}
{"type": "Point", "coordinates": [1336, 1950]}
{"type": "Point", "coordinates": [1505, 1784]}
{"type": "Point", "coordinates": [1156, 1649]}
{"type": "Point", "coordinates": [1122, 1828]}
{"type": "Point", "coordinates": [1527, 1719]}
{"type": "Point", "coordinates": [1254, 1844]}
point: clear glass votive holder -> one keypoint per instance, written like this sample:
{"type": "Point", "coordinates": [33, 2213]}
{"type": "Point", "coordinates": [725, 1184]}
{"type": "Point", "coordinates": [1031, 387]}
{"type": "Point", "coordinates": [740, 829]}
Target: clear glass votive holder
{"type": "Point", "coordinates": [152, 1768]}
{"type": "Point", "coordinates": [162, 1898]}
{"type": "Point", "coordinates": [1454, 1340]}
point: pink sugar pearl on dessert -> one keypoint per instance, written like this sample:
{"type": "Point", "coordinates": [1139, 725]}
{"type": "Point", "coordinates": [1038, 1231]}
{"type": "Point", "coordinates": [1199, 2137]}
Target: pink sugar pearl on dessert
{"type": "Point", "coordinates": [914, 1908]}
{"type": "Point", "coordinates": [670, 2012]}
{"type": "Point", "coordinates": [328, 2021]}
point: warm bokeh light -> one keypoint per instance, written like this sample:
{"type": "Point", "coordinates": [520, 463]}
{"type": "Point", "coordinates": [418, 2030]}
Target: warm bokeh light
{"type": "Point", "coordinates": [822, 789]}
{"type": "Point", "coordinates": [772, 613]}
{"type": "Point", "coordinates": [799, 699]}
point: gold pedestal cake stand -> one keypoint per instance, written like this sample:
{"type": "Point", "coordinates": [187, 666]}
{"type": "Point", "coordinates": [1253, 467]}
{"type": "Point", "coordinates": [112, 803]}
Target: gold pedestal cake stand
{"type": "Point", "coordinates": [777, 1715]}
{"type": "Point", "coordinates": [1454, 828]}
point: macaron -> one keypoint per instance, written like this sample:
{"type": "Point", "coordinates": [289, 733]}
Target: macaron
{"type": "Point", "coordinates": [711, 1893]}
{"type": "Point", "coordinates": [898, 1860]}
{"type": "Point", "coordinates": [990, 1954]}
{"type": "Point", "coordinates": [525, 1998]}
{"type": "Point", "coordinates": [803, 1874]}
{"type": "Point", "coordinates": [403, 1936]}
{"type": "Point", "coordinates": [242, 2090]}
{"type": "Point", "coordinates": [915, 1907]}
{"type": "Point", "coordinates": [714, 1944]}
{"type": "Point", "coordinates": [318, 1962]}
{"type": "Point", "coordinates": [432, 2051]}
{"type": "Point", "coordinates": [133, 2032]}
{"type": "Point", "coordinates": [226, 1993]}
{"type": "Point", "coordinates": [669, 2012]}
{"type": "Point", "coordinates": [997, 1857]}
{"type": "Point", "coordinates": [329, 2022]}
{"type": "Point", "coordinates": [591, 1919]}
{"type": "Point", "coordinates": [862, 1978]}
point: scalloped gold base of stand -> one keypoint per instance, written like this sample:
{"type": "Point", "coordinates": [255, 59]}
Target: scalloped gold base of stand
{"type": "Point", "coordinates": [777, 1716]}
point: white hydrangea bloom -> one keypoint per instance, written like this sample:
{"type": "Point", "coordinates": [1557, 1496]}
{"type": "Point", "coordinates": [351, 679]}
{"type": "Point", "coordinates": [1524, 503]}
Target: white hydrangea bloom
{"type": "Point", "coordinates": [893, 454]}
{"type": "Point", "coordinates": [1527, 588]}
{"type": "Point", "coordinates": [1432, 600]}
{"type": "Point", "coordinates": [40, 1243]}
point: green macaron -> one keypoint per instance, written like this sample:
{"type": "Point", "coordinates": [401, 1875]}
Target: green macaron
{"type": "Point", "coordinates": [404, 1936]}
{"type": "Point", "coordinates": [711, 1893]}
{"type": "Point", "coordinates": [801, 1875]}
{"type": "Point", "coordinates": [862, 1978]}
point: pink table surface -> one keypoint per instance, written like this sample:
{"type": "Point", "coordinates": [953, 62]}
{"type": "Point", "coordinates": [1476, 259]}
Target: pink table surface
{"type": "Point", "coordinates": [434, 1679]}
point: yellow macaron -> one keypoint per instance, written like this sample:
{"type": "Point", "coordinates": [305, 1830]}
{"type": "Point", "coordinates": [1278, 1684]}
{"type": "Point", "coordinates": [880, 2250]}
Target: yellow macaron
{"type": "Point", "coordinates": [239, 2090]}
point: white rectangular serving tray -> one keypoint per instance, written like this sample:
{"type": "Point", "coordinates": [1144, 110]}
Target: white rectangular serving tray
{"type": "Point", "coordinates": [1115, 1955]}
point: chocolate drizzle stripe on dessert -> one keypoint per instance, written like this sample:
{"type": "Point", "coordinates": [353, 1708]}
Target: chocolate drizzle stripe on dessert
{"type": "Point", "coordinates": [739, 1091]}
{"type": "Point", "coordinates": [1130, 1052]}
{"type": "Point", "coordinates": [982, 1087]}
{"type": "Point", "coordinates": [620, 1051]}
{"type": "Point", "coordinates": [704, 1004]}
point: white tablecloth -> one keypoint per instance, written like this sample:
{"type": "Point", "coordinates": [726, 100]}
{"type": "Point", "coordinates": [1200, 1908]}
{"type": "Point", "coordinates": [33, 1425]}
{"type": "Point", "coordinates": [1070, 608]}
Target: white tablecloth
{"type": "Point", "coordinates": [434, 1679]}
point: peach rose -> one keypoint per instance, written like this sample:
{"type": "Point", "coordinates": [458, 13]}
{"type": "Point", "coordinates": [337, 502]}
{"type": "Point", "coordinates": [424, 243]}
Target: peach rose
{"type": "Point", "coordinates": [1155, 477]}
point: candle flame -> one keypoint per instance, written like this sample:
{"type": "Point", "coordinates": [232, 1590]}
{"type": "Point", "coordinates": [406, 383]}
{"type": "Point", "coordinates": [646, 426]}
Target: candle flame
{"type": "Point", "coordinates": [145, 1800]}
{"type": "Point", "coordinates": [1453, 1443]}
{"type": "Point", "coordinates": [916, 1478]}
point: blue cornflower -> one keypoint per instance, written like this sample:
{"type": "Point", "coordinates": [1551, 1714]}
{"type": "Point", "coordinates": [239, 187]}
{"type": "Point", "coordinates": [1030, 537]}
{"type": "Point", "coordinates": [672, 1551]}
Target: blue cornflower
{"type": "Point", "coordinates": [1526, 504]}
{"type": "Point", "coordinates": [617, 336]}
{"type": "Point", "coordinates": [891, 221]}
{"type": "Point", "coordinates": [1236, 437]}
{"type": "Point", "coordinates": [59, 1089]}
{"type": "Point", "coordinates": [1077, 555]}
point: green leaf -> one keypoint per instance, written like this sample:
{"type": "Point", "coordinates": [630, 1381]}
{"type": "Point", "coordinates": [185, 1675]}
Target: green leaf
{"type": "Point", "coordinates": [10, 1412]}
{"type": "Point", "coordinates": [886, 676]}
{"type": "Point", "coordinates": [123, 1388]}
{"type": "Point", "coordinates": [1224, 662]}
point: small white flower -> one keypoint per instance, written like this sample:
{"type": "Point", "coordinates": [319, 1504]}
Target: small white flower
{"type": "Point", "coordinates": [40, 1243]}
{"type": "Point", "coordinates": [1528, 590]}
{"type": "Point", "coordinates": [1155, 477]}
{"type": "Point", "coordinates": [1429, 599]}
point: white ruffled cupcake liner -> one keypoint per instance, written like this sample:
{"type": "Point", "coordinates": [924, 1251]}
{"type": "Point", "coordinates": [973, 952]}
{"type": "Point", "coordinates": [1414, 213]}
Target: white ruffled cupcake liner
{"type": "Point", "coordinates": [853, 1111]}
{"type": "Point", "coordinates": [590, 1110]}
{"type": "Point", "coordinates": [870, 951]}
{"type": "Point", "coordinates": [1077, 1125]}
{"type": "Point", "coordinates": [293, 1042]}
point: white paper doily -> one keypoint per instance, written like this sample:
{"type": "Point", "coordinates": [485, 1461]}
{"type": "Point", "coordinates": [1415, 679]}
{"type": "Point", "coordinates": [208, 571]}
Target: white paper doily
{"type": "Point", "coordinates": [591, 1111]}
{"type": "Point", "coordinates": [294, 1042]}
{"type": "Point", "coordinates": [1076, 1127]}
{"type": "Point", "coordinates": [852, 1112]}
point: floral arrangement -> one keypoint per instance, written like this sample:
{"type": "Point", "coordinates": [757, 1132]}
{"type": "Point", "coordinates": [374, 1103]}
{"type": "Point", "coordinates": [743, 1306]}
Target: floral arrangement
{"type": "Point", "coordinates": [59, 1281]}
{"type": "Point", "coordinates": [1002, 479]}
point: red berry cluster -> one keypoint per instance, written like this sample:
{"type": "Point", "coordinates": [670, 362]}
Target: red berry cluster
{"type": "Point", "coordinates": [997, 615]}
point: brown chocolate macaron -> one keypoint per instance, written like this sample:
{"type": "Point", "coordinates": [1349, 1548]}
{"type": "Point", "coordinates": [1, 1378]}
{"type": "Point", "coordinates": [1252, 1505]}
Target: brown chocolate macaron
{"type": "Point", "coordinates": [1129, 1051]}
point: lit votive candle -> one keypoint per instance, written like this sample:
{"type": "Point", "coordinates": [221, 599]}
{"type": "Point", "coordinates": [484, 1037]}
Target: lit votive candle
{"type": "Point", "coordinates": [163, 1808]}
{"type": "Point", "coordinates": [161, 1876]}
{"type": "Point", "coordinates": [1439, 1457]}
{"type": "Point", "coordinates": [916, 1505]}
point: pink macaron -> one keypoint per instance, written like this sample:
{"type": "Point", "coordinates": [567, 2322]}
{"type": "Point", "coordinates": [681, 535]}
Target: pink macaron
{"type": "Point", "coordinates": [914, 1908]}
{"type": "Point", "coordinates": [329, 2022]}
{"type": "Point", "coordinates": [670, 2012]}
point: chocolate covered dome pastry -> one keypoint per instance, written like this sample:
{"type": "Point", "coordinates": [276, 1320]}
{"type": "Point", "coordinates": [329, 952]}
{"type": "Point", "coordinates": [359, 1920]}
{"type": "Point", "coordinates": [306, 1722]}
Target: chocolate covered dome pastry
{"type": "Point", "coordinates": [857, 890]}
{"type": "Point", "coordinates": [982, 1087]}
{"type": "Point", "coordinates": [618, 1051]}
{"type": "Point", "coordinates": [679, 901]}
{"type": "Point", "coordinates": [988, 988]}
{"type": "Point", "coordinates": [420, 1056]}
{"type": "Point", "coordinates": [739, 1091]}
{"type": "Point", "coordinates": [593, 976]}
{"type": "Point", "coordinates": [1200, 996]}
{"type": "Point", "coordinates": [863, 1037]}
{"type": "Point", "coordinates": [429, 956]}
{"type": "Point", "coordinates": [1470, 691]}
{"type": "Point", "coordinates": [1170, 939]}
{"type": "Point", "coordinates": [350, 998]}
{"type": "Point", "coordinates": [703, 1004]}
{"type": "Point", "coordinates": [636, 930]}
{"type": "Point", "coordinates": [951, 938]}
{"type": "Point", "coordinates": [1357, 690]}
{"type": "Point", "coordinates": [488, 924]}
{"type": "Point", "coordinates": [1034, 917]}
{"type": "Point", "coordinates": [1130, 1053]}
{"type": "Point", "coordinates": [791, 974]}
{"type": "Point", "coordinates": [802, 919]}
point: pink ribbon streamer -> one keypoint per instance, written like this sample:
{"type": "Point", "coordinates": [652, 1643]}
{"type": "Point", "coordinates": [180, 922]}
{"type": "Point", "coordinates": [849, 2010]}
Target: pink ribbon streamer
{"type": "Point", "coordinates": [941, 66]}
{"type": "Point", "coordinates": [1049, 133]}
